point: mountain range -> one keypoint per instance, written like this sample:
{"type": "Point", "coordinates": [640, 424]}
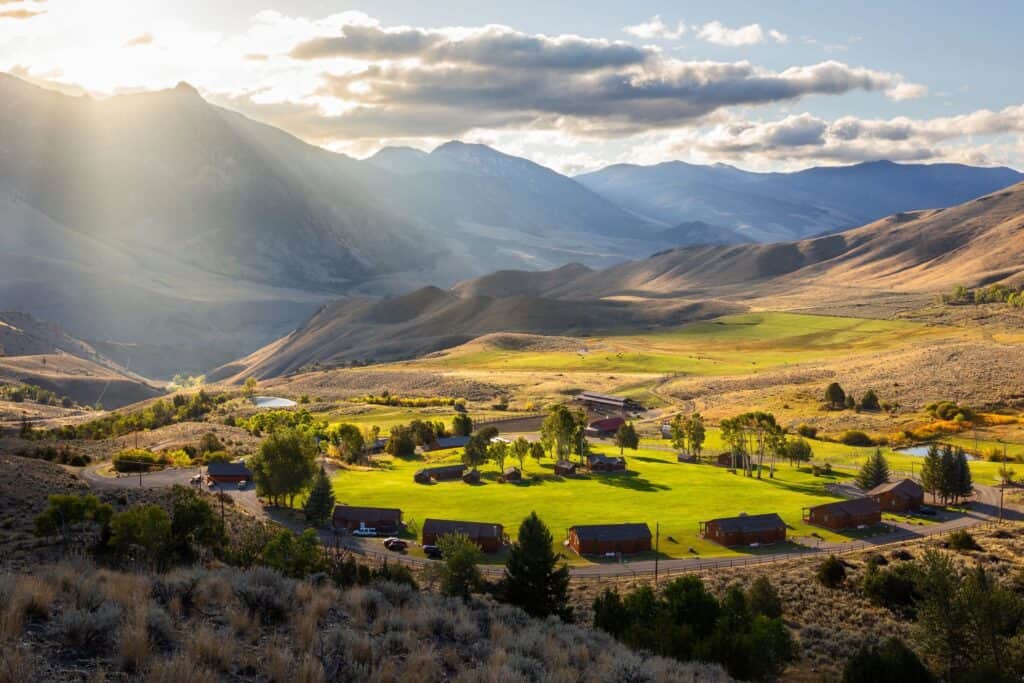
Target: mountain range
{"type": "Point", "coordinates": [176, 235]}
{"type": "Point", "coordinates": [922, 252]}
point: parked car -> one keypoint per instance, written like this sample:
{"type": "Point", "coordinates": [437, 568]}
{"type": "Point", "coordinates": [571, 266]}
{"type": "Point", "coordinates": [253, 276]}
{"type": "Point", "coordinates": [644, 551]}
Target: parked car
{"type": "Point", "coordinates": [364, 531]}
{"type": "Point", "coordinates": [243, 484]}
{"type": "Point", "coordinates": [433, 552]}
{"type": "Point", "coordinates": [196, 480]}
{"type": "Point", "coordinates": [395, 544]}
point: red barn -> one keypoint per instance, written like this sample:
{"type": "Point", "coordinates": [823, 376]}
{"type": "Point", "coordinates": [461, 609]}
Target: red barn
{"type": "Point", "coordinates": [605, 427]}
{"type": "Point", "coordinates": [350, 518]}
{"type": "Point", "coordinates": [228, 472]}
{"type": "Point", "coordinates": [600, 539]}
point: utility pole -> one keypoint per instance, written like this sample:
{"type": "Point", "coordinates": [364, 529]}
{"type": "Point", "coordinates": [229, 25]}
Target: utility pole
{"type": "Point", "coordinates": [657, 550]}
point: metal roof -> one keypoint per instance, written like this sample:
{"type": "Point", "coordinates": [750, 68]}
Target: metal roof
{"type": "Point", "coordinates": [903, 487]}
{"type": "Point", "coordinates": [227, 469]}
{"type": "Point", "coordinates": [611, 532]}
{"type": "Point", "coordinates": [749, 523]}
{"type": "Point", "coordinates": [440, 527]}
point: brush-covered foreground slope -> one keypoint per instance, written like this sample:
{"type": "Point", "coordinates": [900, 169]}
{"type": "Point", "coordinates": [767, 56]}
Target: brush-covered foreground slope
{"type": "Point", "coordinates": [430, 319]}
{"type": "Point", "coordinates": [768, 207]}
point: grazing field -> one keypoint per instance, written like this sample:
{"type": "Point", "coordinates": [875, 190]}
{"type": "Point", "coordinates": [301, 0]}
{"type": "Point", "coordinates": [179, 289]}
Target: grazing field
{"type": "Point", "coordinates": [656, 489]}
{"type": "Point", "coordinates": [731, 345]}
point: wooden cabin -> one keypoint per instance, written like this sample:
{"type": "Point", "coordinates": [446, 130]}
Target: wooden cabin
{"type": "Point", "coordinates": [603, 463]}
{"type": "Point", "coordinates": [349, 518]}
{"type": "Point", "coordinates": [601, 539]}
{"type": "Point", "coordinates": [565, 468]}
{"type": "Point", "coordinates": [490, 537]}
{"type": "Point", "coordinates": [905, 495]}
{"type": "Point", "coordinates": [442, 473]}
{"type": "Point", "coordinates": [745, 529]}
{"type": "Point", "coordinates": [845, 514]}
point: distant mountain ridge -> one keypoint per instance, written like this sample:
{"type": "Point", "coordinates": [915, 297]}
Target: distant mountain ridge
{"type": "Point", "coordinates": [771, 207]}
{"type": "Point", "coordinates": [980, 242]}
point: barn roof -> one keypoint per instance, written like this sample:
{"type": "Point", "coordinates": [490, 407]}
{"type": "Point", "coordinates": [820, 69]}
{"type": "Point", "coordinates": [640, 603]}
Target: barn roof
{"type": "Point", "coordinates": [612, 532]}
{"type": "Point", "coordinates": [852, 507]}
{"type": "Point", "coordinates": [749, 523]}
{"type": "Point", "coordinates": [228, 469]}
{"type": "Point", "coordinates": [474, 530]}
{"type": "Point", "coordinates": [442, 469]}
{"type": "Point", "coordinates": [452, 441]}
{"type": "Point", "coordinates": [907, 488]}
{"type": "Point", "coordinates": [598, 458]}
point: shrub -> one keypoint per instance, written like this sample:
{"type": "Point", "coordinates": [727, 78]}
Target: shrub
{"type": "Point", "coordinates": [894, 589]}
{"type": "Point", "coordinates": [807, 431]}
{"type": "Point", "coordinates": [887, 662]}
{"type": "Point", "coordinates": [764, 599]}
{"type": "Point", "coordinates": [265, 593]}
{"type": "Point", "coordinates": [136, 460]}
{"type": "Point", "coordinates": [962, 540]}
{"type": "Point", "coordinates": [831, 572]}
{"type": "Point", "coordinates": [855, 437]}
{"type": "Point", "coordinates": [87, 630]}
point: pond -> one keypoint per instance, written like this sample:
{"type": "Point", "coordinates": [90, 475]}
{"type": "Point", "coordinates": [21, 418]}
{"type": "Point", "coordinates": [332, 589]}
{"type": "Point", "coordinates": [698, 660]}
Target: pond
{"type": "Point", "coordinates": [920, 451]}
{"type": "Point", "coordinates": [273, 402]}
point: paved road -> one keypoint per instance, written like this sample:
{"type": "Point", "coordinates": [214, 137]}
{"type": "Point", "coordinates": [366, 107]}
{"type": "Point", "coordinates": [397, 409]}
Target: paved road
{"type": "Point", "coordinates": [983, 509]}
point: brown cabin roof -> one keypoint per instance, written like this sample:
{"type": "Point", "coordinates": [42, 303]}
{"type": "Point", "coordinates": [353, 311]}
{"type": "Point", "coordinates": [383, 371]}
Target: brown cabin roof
{"type": "Point", "coordinates": [749, 523]}
{"type": "Point", "coordinates": [907, 488]}
{"type": "Point", "coordinates": [612, 532]}
{"type": "Point", "coordinates": [852, 507]}
{"type": "Point", "coordinates": [474, 530]}
{"type": "Point", "coordinates": [366, 514]}
{"type": "Point", "coordinates": [443, 469]}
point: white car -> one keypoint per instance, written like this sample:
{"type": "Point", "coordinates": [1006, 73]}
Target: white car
{"type": "Point", "coordinates": [364, 531]}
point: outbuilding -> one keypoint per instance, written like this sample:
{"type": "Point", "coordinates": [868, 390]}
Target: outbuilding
{"type": "Point", "coordinates": [490, 537]}
{"type": "Point", "coordinates": [904, 495]}
{"type": "Point", "coordinates": [442, 473]}
{"type": "Point", "coordinates": [737, 460]}
{"type": "Point", "coordinates": [605, 427]}
{"type": "Point", "coordinates": [565, 468]}
{"type": "Point", "coordinates": [350, 517]}
{"type": "Point", "coordinates": [471, 477]}
{"type": "Point", "coordinates": [601, 539]}
{"type": "Point", "coordinates": [512, 474]}
{"type": "Point", "coordinates": [592, 399]}
{"type": "Point", "coordinates": [228, 472]}
{"type": "Point", "coordinates": [446, 442]}
{"type": "Point", "coordinates": [745, 529]}
{"type": "Point", "coordinates": [845, 514]}
{"type": "Point", "coordinates": [602, 463]}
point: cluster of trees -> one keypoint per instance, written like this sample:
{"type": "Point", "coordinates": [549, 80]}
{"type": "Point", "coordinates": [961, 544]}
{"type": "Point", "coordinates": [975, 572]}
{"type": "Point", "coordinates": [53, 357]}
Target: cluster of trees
{"type": "Point", "coordinates": [993, 294]}
{"type": "Point", "coordinates": [688, 434]}
{"type": "Point", "coordinates": [946, 474]}
{"type": "Point", "coordinates": [950, 410]}
{"type": "Point", "coordinates": [183, 381]}
{"type": "Point", "coordinates": [268, 421]}
{"type": "Point", "coordinates": [386, 398]}
{"type": "Point", "coordinates": [561, 432]}
{"type": "Point", "coordinates": [967, 624]}
{"type": "Point", "coordinates": [179, 408]}
{"type": "Point", "coordinates": [62, 455]}
{"type": "Point", "coordinates": [743, 631]}
{"type": "Point", "coordinates": [482, 449]}
{"type": "Point", "coordinates": [756, 435]}
{"type": "Point", "coordinates": [284, 465]}
{"type": "Point", "coordinates": [143, 460]}
{"type": "Point", "coordinates": [626, 437]}
{"type": "Point", "coordinates": [836, 398]}
{"type": "Point", "coordinates": [142, 534]}
{"type": "Point", "coordinates": [30, 392]}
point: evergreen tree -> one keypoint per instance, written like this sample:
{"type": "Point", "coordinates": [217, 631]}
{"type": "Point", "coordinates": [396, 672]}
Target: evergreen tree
{"type": "Point", "coordinates": [533, 578]}
{"type": "Point", "coordinates": [963, 486]}
{"type": "Point", "coordinates": [875, 471]}
{"type": "Point", "coordinates": [627, 437]}
{"type": "Point", "coordinates": [835, 396]}
{"type": "Point", "coordinates": [931, 471]}
{"type": "Point", "coordinates": [947, 474]}
{"type": "Point", "coordinates": [320, 503]}
{"type": "Point", "coordinates": [887, 662]}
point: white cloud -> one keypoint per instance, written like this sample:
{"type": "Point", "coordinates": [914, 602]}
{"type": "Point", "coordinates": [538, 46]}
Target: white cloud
{"type": "Point", "coordinates": [656, 28]}
{"type": "Point", "coordinates": [719, 34]}
{"type": "Point", "coordinates": [907, 91]}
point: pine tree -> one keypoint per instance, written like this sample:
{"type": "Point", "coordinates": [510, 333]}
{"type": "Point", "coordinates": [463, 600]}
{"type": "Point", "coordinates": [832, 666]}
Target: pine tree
{"type": "Point", "coordinates": [533, 579]}
{"type": "Point", "coordinates": [931, 471]}
{"type": "Point", "coordinates": [875, 471]}
{"type": "Point", "coordinates": [947, 474]}
{"type": "Point", "coordinates": [964, 485]}
{"type": "Point", "coordinates": [320, 503]}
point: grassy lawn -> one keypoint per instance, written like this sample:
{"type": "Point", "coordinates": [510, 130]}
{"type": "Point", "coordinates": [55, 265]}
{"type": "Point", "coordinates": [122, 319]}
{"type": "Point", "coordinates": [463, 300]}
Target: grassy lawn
{"type": "Point", "coordinates": [738, 344]}
{"type": "Point", "coordinates": [657, 489]}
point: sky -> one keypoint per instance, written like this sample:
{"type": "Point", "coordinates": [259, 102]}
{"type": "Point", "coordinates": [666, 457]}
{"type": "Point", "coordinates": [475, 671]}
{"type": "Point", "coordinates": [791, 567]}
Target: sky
{"type": "Point", "coordinates": [572, 85]}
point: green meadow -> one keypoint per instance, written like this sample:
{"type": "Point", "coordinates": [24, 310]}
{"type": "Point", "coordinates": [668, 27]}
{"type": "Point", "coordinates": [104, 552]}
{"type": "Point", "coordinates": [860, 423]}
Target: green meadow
{"type": "Point", "coordinates": [737, 344]}
{"type": "Point", "coordinates": [657, 489]}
